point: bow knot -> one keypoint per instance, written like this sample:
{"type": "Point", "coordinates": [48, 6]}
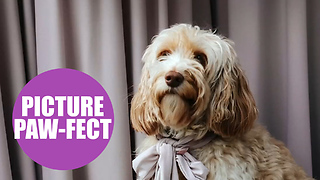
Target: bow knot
{"type": "Point", "coordinates": [160, 161]}
{"type": "Point", "coordinates": [177, 147]}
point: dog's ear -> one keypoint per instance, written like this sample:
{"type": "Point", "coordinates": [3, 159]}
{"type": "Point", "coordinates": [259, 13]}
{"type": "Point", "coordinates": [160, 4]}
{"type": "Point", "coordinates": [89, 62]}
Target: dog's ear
{"type": "Point", "coordinates": [233, 108]}
{"type": "Point", "coordinates": [144, 113]}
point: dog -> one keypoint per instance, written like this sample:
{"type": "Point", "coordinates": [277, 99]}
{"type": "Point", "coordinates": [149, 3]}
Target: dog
{"type": "Point", "coordinates": [193, 86]}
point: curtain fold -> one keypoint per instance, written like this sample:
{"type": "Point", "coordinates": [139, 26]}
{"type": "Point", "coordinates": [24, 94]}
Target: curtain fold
{"type": "Point", "coordinates": [5, 171]}
{"type": "Point", "coordinates": [298, 92]}
{"type": "Point", "coordinates": [135, 30]}
{"type": "Point", "coordinates": [28, 36]}
{"type": "Point", "coordinates": [12, 80]}
{"type": "Point", "coordinates": [313, 31]}
{"type": "Point", "coordinates": [277, 43]}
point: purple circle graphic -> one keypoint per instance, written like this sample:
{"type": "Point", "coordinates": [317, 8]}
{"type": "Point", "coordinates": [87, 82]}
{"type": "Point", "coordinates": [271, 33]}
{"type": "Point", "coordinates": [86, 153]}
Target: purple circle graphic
{"type": "Point", "coordinates": [63, 119]}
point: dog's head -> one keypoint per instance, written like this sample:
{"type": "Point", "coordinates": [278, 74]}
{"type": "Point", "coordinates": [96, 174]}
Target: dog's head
{"type": "Point", "coordinates": [191, 78]}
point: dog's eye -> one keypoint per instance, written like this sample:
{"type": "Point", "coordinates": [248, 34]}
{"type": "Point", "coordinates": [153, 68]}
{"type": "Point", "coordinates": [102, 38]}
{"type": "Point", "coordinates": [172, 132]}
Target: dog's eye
{"type": "Point", "coordinates": [164, 53]}
{"type": "Point", "coordinates": [201, 57]}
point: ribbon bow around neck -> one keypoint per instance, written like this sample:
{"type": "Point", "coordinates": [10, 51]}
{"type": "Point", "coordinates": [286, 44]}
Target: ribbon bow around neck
{"type": "Point", "coordinates": [159, 161]}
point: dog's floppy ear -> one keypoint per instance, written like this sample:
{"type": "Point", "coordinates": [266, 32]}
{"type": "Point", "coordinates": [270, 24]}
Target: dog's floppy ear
{"type": "Point", "coordinates": [233, 108]}
{"type": "Point", "coordinates": [144, 113]}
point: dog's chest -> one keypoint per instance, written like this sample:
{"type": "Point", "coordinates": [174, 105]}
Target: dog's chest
{"type": "Point", "coordinates": [230, 168]}
{"type": "Point", "coordinates": [224, 163]}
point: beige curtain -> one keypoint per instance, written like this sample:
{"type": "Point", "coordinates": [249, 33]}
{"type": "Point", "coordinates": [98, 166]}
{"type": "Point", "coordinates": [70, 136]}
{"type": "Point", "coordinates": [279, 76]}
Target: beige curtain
{"type": "Point", "coordinates": [271, 40]}
{"type": "Point", "coordinates": [276, 41]}
{"type": "Point", "coordinates": [88, 36]}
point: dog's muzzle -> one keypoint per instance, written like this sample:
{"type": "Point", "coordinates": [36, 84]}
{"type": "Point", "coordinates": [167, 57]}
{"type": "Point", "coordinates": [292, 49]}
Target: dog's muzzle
{"type": "Point", "coordinates": [174, 79]}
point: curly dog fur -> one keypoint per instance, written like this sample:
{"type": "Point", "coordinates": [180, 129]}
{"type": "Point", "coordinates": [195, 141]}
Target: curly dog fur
{"type": "Point", "coordinates": [192, 84]}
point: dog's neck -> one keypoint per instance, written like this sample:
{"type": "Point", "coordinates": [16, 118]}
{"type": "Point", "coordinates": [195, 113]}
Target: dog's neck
{"type": "Point", "coordinates": [198, 130]}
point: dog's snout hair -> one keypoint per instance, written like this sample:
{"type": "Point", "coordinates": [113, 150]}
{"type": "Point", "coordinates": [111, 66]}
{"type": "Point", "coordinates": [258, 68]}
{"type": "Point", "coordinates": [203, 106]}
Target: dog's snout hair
{"type": "Point", "coordinates": [191, 78]}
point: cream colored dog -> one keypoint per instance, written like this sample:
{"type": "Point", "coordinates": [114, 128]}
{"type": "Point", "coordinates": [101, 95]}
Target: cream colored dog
{"type": "Point", "coordinates": [192, 85]}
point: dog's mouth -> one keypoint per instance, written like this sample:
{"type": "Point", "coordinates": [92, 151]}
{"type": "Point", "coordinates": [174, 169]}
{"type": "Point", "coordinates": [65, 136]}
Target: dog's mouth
{"type": "Point", "coordinates": [189, 101]}
{"type": "Point", "coordinates": [177, 105]}
{"type": "Point", "coordinates": [172, 91]}
{"type": "Point", "coordinates": [175, 111]}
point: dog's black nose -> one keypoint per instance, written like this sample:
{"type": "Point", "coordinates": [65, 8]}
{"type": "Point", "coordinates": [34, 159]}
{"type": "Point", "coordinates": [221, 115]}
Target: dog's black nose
{"type": "Point", "coordinates": [174, 79]}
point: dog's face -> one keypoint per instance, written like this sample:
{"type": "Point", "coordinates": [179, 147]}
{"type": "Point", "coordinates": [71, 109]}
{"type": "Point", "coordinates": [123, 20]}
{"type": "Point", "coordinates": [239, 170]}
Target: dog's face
{"type": "Point", "coordinates": [191, 79]}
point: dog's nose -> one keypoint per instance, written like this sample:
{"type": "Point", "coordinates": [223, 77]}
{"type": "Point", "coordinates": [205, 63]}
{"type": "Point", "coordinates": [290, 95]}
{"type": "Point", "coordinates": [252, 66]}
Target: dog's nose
{"type": "Point", "coordinates": [174, 79]}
